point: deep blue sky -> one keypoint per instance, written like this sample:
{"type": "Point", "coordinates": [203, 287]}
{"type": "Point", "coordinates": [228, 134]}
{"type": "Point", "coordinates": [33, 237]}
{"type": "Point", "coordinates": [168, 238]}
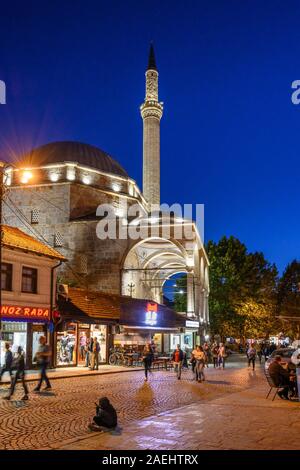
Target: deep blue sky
{"type": "Point", "coordinates": [229, 134]}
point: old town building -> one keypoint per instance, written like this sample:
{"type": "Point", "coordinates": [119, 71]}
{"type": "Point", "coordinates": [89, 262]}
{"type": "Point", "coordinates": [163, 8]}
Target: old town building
{"type": "Point", "coordinates": [28, 278]}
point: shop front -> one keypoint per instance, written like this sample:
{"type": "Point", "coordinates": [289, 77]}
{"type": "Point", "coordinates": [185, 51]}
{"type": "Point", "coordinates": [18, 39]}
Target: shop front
{"type": "Point", "coordinates": [23, 326]}
{"type": "Point", "coordinates": [84, 316]}
{"type": "Point", "coordinates": [187, 338]}
{"type": "Point", "coordinates": [145, 322]}
{"type": "Point", "coordinates": [72, 341]}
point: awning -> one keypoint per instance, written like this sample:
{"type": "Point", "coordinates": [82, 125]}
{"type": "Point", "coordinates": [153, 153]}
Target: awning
{"type": "Point", "coordinates": [92, 307]}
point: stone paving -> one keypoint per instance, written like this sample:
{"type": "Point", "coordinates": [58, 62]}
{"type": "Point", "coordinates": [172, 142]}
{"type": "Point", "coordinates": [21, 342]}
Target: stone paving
{"type": "Point", "coordinates": [80, 371]}
{"type": "Point", "coordinates": [218, 413]}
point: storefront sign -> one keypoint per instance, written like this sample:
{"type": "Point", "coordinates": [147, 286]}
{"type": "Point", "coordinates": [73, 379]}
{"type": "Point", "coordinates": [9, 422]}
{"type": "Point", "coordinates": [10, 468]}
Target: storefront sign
{"type": "Point", "coordinates": [24, 313]}
{"type": "Point", "coordinates": [151, 314]}
{"type": "Point", "coordinates": [192, 324]}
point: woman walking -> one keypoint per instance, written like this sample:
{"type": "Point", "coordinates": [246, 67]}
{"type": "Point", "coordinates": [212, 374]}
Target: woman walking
{"type": "Point", "coordinates": [221, 356]}
{"type": "Point", "coordinates": [147, 359]}
{"type": "Point", "coordinates": [251, 353]}
{"type": "Point", "coordinates": [215, 353]}
{"type": "Point", "coordinates": [199, 357]}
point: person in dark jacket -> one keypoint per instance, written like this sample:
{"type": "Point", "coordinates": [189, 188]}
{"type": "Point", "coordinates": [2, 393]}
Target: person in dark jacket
{"type": "Point", "coordinates": [147, 359]}
{"type": "Point", "coordinates": [106, 415]}
{"type": "Point", "coordinates": [19, 365]}
{"type": "Point", "coordinates": [280, 377]}
{"type": "Point", "coordinates": [177, 359]}
{"type": "Point", "coordinates": [7, 361]}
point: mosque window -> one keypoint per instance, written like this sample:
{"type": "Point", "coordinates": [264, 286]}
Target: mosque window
{"type": "Point", "coordinates": [58, 239]}
{"type": "Point", "coordinates": [35, 216]}
{"type": "Point", "coordinates": [83, 264]}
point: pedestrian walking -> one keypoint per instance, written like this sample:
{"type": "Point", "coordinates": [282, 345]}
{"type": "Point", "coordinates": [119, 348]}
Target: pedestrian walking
{"type": "Point", "coordinates": [215, 354]}
{"type": "Point", "coordinates": [251, 353]}
{"type": "Point", "coordinates": [259, 351]}
{"type": "Point", "coordinates": [8, 359]}
{"type": "Point", "coordinates": [206, 351]}
{"type": "Point", "coordinates": [87, 352]}
{"type": "Point", "coordinates": [95, 355]}
{"type": "Point", "coordinates": [199, 356]}
{"type": "Point", "coordinates": [43, 358]}
{"type": "Point", "coordinates": [221, 356]}
{"type": "Point", "coordinates": [83, 340]}
{"type": "Point", "coordinates": [147, 359]}
{"type": "Point", "coordinates": [177, 359]}
{"type": "Point", "coordinates": [19, 366]}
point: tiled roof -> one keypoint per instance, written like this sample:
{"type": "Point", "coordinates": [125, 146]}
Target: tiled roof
{"type": "Point", "coordinates": [13, 237]}
{"type": "Point", "coordinates": [93, 304]}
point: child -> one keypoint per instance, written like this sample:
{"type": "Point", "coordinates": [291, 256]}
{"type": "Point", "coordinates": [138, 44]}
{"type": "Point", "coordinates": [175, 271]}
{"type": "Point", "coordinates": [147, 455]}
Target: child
{"type": "Point", "coordinates": [106, 416]}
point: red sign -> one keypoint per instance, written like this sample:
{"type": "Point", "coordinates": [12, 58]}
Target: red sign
{"type": "Point", "coordinates": [151, 307]}
{"type": "Point", "coordinates": [25, 313]}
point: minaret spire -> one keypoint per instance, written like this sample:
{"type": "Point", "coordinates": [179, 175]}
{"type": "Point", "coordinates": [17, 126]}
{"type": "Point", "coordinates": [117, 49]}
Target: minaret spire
{"type": "Point", "coordinates": [151, 111]}
{"type": "Point", "coordinates": [151, 60]}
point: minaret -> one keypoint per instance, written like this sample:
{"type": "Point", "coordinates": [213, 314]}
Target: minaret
{"type": "Point", "coordinates": [151, 111]}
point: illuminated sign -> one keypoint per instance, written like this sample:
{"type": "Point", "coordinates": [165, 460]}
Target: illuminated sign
{"type": "Point", "coordinates": [151, 314]}
{"type": "Point", "coordinates": [192, 324]}
{"type": "Point", "coordinates": [25, 313]}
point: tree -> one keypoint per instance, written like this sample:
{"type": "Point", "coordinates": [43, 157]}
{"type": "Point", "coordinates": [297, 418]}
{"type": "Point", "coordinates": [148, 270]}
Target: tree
{"type": "Point", "coordinates": [242, 290]}
{"type": "Point", "coordinates": [180, 297]}
{"type": "Point", "coordinates": [288, 298]}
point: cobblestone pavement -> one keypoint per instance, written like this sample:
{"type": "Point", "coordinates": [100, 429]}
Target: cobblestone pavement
{"type": "Point", "coordinates": [239, 421]}
{"type": "Point", "coordinates": [59, 419]}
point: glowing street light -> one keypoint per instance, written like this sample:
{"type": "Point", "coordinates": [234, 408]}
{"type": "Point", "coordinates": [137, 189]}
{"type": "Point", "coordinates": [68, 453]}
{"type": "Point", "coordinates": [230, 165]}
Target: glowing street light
{"type": "Point", "coordinates": [26, 176]}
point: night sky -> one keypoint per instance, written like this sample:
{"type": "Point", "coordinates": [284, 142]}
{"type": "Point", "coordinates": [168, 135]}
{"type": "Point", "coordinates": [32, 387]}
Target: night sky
{"type": "Point", "coordinates": [74, 70]}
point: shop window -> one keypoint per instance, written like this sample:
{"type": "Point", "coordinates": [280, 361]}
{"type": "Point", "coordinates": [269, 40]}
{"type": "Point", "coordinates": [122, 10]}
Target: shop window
{"type": "Point", "coordinates": [35, 216]}
{"type": "Point", "coordinates": [14, 333]}
{"type": "Point", "coordinates": [66, 345]}
{"type": "Point", "coordinates": [6, 276]}
{"type": "Point", "coordinates": [29, 280]}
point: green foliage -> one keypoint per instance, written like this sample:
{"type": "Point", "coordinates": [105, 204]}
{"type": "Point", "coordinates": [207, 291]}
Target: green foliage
{"type": "Point", "coordinates": [242, 290]}
{"type": "Point", "coordinates": [180, 300]}
{"type": "Point", "coordinates": [288, 304]}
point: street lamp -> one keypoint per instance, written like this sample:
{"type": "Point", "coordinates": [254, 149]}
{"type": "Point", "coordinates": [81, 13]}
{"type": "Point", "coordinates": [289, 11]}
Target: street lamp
{"type": "Point", "coordinates": [3, 176]}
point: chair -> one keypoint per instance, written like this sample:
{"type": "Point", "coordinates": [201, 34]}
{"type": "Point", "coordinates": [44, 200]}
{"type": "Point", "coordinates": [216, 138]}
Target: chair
{"type": "Point", "coordinates": [272, 385]}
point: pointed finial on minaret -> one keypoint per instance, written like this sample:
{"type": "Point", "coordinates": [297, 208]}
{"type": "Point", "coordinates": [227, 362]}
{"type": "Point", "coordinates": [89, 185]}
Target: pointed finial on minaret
{"type": "Point", "coordinates": [151, 61]}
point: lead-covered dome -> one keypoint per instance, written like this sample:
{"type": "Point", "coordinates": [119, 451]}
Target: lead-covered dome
{"type": "Point", "coordinates": [75, 152]}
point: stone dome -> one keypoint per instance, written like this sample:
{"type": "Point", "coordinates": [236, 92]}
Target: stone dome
{"type": "Point", "coordinates": [75, 152]}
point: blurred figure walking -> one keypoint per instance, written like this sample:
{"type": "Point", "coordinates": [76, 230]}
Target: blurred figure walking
{"type": "Point", "coordinates": [177, 359]}
{"type": "Point", "coordinates": [43, 358]}
{"type": "Point", "coordinates": [7, 362]}
{"type": "Point", "coordinates": [19, 365]}
{"type": "Point", "coordinates": [147, 359]}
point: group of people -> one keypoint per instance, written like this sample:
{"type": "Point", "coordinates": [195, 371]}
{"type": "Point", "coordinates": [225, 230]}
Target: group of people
{"type": "Point", "coordinates": [90, 351]}
{"type": "Point", "coordinates": [14, 365]}
{"type": "Point", "coordinates": [200, 358]}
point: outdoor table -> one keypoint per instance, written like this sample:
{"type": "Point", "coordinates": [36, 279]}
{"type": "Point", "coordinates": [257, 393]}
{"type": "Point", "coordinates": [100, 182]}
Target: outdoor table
{"type": "Point", "coordinates": [165, 360]}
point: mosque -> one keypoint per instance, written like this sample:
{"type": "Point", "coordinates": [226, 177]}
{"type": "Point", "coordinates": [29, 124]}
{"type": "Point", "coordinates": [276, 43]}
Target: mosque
{"type": "Point", "coordinates": [55, 191]}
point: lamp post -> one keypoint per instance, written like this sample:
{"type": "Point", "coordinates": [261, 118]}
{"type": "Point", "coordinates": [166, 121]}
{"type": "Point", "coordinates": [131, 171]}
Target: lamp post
{"type": "Point", "coordinates": [2, 191]}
